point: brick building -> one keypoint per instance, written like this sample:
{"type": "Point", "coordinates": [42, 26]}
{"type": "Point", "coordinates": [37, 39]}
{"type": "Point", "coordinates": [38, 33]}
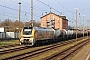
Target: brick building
{"type": "Point", "coordinates": [52, 20]}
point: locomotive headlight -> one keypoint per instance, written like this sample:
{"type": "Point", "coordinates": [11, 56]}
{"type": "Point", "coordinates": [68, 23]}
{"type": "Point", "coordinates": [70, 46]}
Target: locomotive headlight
{"type": "Point", "coordinates": [21, 40]}
{"type": "Point", "coordinates": [21, 37]}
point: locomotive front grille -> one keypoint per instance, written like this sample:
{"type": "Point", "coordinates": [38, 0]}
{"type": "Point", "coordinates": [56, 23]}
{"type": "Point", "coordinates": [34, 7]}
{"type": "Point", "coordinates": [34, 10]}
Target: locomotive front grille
{"type": "Point", "coordinates": [26, 40]}
{"type": "Point", "coordinates": [26, 37]}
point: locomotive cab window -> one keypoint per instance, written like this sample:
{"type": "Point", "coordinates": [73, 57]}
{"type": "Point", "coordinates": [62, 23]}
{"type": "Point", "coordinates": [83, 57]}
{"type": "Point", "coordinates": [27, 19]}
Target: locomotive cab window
{"type": "Point", "coordinates": [27, 31]}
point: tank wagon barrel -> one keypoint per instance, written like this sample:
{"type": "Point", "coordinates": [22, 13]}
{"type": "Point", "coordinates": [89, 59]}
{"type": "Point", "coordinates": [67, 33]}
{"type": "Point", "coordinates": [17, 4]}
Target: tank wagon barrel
{"type": "Point", "coordinates": [57, 33]}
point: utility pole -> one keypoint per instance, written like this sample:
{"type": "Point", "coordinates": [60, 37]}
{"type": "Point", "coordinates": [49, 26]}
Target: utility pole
{"type": "Point", "coordinates": [19, 7]}
{"type": "Point", "coordinates": [25, 19]}
{"type": "Point", "coordinates": [50, 18]}
{"type": "Point", "coordinates": [42, 14]}
{"type": "Point", "coordinates": [32, 13]}
{"type": "Point", "coordinates": [83, 24]}
{"type": "Point", "coordinates": [46, 19]}
{"type": "Point", "coordinates": [59, 21]}
{"type": "Point", "coordinates": [76, 21]}
{"type": "Point", "coordinates": [87, 28]}
{"type": "Point", "coordinates": [80, 20]}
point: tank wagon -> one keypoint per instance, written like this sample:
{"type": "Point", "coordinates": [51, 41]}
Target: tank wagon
{"type": "Point", "coordinates": [30, 35]}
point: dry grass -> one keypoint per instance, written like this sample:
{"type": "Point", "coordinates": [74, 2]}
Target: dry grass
{"type": "Point", "coordinates": [8, 42]}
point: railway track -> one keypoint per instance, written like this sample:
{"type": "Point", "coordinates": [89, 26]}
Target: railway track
{"type": "Point", "coordinates": [9, 46]}
{"type": "Point", "coordinates": [38, 51]}
{"type": "Point", "coordinates": [18, 48]}
{"type": "Point", "coordinates": [65, 54]}
{"type": "Point", "coordinates": [13, 48]}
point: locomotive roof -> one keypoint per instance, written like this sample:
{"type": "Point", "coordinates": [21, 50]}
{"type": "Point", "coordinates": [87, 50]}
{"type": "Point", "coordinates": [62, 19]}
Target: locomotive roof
{"type": "Point", "coordinates": [39, 28]}
{"type": "Point", "coordinates": [44, 29]}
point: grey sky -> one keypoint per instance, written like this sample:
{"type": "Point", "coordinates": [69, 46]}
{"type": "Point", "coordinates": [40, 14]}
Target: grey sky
{"type": "Point", "coordinates": [64, 6]}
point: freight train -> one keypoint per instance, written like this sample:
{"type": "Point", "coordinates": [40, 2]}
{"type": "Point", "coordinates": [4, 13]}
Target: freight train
{"type": "Point", "coordinates": [30, 35]}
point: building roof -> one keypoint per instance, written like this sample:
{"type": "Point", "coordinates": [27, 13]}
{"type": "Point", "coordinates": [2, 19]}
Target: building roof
{"type": "Point", "coordinates": [63, 17]}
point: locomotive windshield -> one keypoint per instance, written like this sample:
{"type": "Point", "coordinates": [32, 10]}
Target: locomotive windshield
{"type": "Point", "coordinates": [27, 31]}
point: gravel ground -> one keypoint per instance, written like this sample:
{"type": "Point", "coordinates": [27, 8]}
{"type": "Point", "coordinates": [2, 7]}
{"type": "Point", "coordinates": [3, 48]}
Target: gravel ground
{"type": "Point", "coordinates": [84, 54]}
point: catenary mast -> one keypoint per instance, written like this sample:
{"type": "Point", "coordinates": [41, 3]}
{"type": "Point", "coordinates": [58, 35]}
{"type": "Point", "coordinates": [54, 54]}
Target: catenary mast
{"type": "Point", "coordinates": [32, 13]}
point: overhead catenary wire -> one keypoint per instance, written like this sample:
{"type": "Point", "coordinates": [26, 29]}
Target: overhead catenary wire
{"type": "Point", "coordinates": [10, 16]}
{"type": "Point", "coordinates": [12, 13]}
{"type": "Point", "coordinates": [49, 6]}
{"type": "Point", "coordinates": [30, 7]}
{"type": "Point", "coordinates": [34, 6]}
{"type": "Point", "coordinates": [42, 10]}
{"type": "Point", "coordinates": [12, 9]}
{"type": "Point", "coordinates": [15, 10]}
{"type": "Point", "coordinates": [45, 10]}
{"type": "Point", "coordinates": [85, 9]}
{"type": "Point", "coordinates": [54, 9]}
{"type": "Point", "coordinates": [7, 15]}
{"type": "Point", "coordinates": [64, 6]}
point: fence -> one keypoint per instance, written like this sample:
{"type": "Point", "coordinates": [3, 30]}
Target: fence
{"type": "Point", "coordinates": [9, 35]}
